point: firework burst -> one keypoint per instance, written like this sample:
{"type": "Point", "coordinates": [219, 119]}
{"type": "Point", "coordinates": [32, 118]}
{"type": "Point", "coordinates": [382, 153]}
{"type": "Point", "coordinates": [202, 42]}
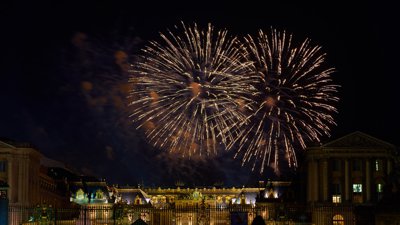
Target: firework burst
{"type": "Point", "coordinates": [293, 101]}
{"type": "Point", "coordinates": [187, 90]}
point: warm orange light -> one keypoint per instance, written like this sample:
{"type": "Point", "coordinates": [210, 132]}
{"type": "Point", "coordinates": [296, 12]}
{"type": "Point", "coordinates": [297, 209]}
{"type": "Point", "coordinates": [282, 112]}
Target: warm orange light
{"type": "Point", "coordinates": [194, 147]}
{"type": "Point", "coordinates": [148, 125]}
{"type": "Point", "coordinates": [186, 134]}
{"type": "Point", "coordinates": [240, 103]}
{"type": "Point", "coordinates": [121, 59]}
{"type": "Point", "coordinates": [125, 88]}
{"type": "Point", "coordinates": [154, 96]}
{"type": "Point", "coordinates": [196, 88]}
{"type": "Point", "coordinates": [270, 101]}
{"type": "Point", "coordinates": [86, 85]}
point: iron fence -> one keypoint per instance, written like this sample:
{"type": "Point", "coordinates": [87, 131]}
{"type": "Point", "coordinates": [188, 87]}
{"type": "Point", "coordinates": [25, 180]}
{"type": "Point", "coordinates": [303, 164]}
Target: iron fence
{"type": "Point", "coordinates": [114, 214]}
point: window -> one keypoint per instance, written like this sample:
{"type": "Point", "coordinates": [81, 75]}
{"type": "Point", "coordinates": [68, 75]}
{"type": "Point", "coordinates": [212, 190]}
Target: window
{"type": "Point", "coordinates": [357, 193]}
{"type": "Point", "coordinates": [357, 165]}
{"type": "Point", "coordinates": [336, 198]}
{"type": "Point", "coordinates": [336, 165]}
{"type": "Point", "coordinates": [357, 188]}
{"type": "Point", "coordinates": [3, 166]}
{"type": "Point", "coordinates": [336, 193]}
{"type": "Point", "coordinates": [338, 220]}
{"type": "Point", "coordinates": [379, 188]}
{"type": "Point", "coordinates": [99, 194]}
{"type": "Point", "coordinates": [138, 201]}
{"type": "Point", "coordinates": [378, 165]}
{"type": "Point", "coordinates": [336, 189]}
{"type": "Point", "coordinates": [80, 194]}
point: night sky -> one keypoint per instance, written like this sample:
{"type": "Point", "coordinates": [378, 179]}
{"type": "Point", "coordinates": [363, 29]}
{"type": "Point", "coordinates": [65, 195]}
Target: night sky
{"type": "Point", "coordinates": [62, 91]}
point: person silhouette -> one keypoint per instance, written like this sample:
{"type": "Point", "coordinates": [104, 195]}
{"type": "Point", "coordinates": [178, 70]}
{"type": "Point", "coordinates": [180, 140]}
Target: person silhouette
{"type": "Point", "coordinates": [258, 220]}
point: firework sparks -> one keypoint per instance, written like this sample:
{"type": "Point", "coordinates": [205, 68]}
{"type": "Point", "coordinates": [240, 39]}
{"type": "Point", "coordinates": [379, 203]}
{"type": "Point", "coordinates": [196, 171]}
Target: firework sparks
{"type": "Point", "coordinates": [187, 90]}
{"type": "Point", "coordinates": [293, 101]}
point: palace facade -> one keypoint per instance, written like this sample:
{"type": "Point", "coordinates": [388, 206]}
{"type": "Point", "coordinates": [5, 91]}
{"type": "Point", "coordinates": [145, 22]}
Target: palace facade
{"type": "Point", "coordinates": [351, 172]}
{"type": "Point", "coordinates": [341, 182]}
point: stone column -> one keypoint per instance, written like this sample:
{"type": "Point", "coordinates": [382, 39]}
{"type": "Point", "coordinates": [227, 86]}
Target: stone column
{"type": "Point", "coordinates": [20, 180]}
{"type": "Point", "coordinates": [315, 181]}
{"type": "Point", "coordinates": [388, 166]}
{"type": "Point", "coordinates": [325, 180]}
{"type": "Point", "coordinates": [310, 179]}
{"type": "Point", "coordinates": [9, 176]}
{"type": "Point", "coordinates": [346, 180]}
{"type": "Point", "coordinates": [368, 180]}
{"type": "Point", "coordinates": [27, 179]}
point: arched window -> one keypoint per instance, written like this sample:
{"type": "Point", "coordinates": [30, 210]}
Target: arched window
{"type": "Point", "coordinates": [99, 194]}
{"type": "Point", "coordinates": [338, 220]}
{"type": "Point", "coordinates": [138, 201]}
{"type": "Point", "coordinates": [80, 194]}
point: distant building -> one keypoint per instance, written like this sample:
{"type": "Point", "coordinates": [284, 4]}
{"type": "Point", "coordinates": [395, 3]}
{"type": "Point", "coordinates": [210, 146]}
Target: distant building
{"type": "Point", "coordinates": [89, 190]}
{"type": "Point", "coordinates": [29, 180]}
{"type": "Point", "coordinates": [20, 168]}
{"type": "Point", "coordinates": [348, 173]}
{"type": "Point", "coordinates": [341, 182]}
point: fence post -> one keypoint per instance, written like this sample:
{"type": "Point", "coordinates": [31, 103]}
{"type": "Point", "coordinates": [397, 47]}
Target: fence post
{"type": "Point", "coordinates": [84, 214]}
{"type": "Point", "coordinates": [114, 216]}
{"type": "Point", "coordinates": [55, 216]}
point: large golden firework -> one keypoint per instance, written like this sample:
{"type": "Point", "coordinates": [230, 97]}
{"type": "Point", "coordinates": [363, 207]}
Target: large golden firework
{"type": "Point", "coordinates": [188, 88]}
{"type": "Point", "coordinates": [293, 101]}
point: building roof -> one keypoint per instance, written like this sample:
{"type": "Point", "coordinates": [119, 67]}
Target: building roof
{"type": "Point", "coordinates": [132, 195]}
{"type": "Point", "coordinates": [358, 139]}
{"type": "Point", "coordinates": [8, 143]}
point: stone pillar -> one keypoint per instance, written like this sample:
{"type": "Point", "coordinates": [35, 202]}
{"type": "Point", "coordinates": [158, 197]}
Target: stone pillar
{"type": "Point", "coordinates": [346, 180]}
{"type": "Point", "coordinates": [368, 180]}
{"type": "Point", "coordinates": [29, 187]}
{"type": "Point", "coordinates": [20, 180]}
{"type": "Point", "coordinates": [310, 179]}
{"type": "Point", "coordinates": [26, 180]}
{"type": "Point", "coordinates": [10, 175]}
{"type": "Point", "coordinates": [23, 180]}
{"type": "Point", "coordinates": [388, 166]}
{"type": "Point", "coordinates": [325, 180]}
{"type": "Point", "coordinates": [315, 188]}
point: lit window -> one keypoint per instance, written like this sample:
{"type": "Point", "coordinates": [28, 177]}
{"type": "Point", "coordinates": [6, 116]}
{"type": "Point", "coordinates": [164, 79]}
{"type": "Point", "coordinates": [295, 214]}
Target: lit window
{"type": "Point", "coordinates": [377, 165]}
{"type": "Point", "coordinates": [99, 194]}
{"type": "Point", "coordinates": [357, 188]}
{"type": "Point", "coordinates": [336, 198]}
{"type": "Point", "coordinates": [379, 188]}
{"type": "Point", "coordinates": [338, 220]}
{"type": "Point", "coordinates": [80, 194]}
{"type": "Point", "coordinates": [138, 201]}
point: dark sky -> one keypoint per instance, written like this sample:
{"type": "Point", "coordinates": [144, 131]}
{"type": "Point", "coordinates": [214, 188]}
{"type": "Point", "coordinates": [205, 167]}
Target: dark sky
{"type": "Point", "coordinates": [43, 74]}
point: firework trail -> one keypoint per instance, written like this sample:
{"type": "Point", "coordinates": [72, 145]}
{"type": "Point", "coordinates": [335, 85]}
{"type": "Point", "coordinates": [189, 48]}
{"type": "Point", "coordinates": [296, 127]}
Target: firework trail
{"type": "Point", "coordinates": [187, 90]}
{"type": "Point", "coordinates": [293, 101]}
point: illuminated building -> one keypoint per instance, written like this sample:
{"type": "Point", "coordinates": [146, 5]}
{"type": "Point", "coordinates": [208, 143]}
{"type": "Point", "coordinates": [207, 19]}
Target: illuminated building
{"type": "Point", "coordinates": [350, 172]}
{"type": "Point", "coordinates": [340, 182]}
{"type": "Point", "coordinates": [20, 168]}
